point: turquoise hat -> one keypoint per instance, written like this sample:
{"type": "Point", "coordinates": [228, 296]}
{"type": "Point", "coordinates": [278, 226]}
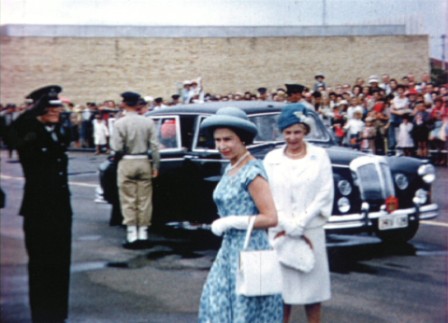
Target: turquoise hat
{"type": "Point", "coordinates": [293, 114]}
{"type": "Point", "coordinates": [230, 117]}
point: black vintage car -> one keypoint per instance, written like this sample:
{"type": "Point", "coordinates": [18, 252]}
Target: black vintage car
{"type": "Point", "coordinates": [384, 195]}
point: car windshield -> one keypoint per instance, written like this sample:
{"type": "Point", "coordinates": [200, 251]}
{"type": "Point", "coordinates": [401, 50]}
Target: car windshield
{"type": "Point", "coordinates": [268, 131]}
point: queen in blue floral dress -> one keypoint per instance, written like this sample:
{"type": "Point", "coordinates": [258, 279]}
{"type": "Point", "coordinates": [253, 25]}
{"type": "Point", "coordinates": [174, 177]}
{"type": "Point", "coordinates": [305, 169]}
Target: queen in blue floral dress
{"type": "Point", "coordinates": [219, 301]}
{"type": "Point", "coordinates": [243, 192]}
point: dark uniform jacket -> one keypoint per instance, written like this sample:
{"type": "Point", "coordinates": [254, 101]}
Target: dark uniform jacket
{"type": "Point", "coordinates": [44, 162]}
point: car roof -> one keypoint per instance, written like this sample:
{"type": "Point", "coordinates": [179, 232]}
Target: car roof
{"type": "Point", "coordinates": [250, 107]}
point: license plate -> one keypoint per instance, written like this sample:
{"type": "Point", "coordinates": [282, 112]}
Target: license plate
{"type": "Point", "coordinates": [392, 221]}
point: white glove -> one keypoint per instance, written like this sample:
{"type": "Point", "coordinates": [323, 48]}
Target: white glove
{"type": "Point", "coordinates": [292, 228]}
{"type": "Point", "coordinates": [221, 225]}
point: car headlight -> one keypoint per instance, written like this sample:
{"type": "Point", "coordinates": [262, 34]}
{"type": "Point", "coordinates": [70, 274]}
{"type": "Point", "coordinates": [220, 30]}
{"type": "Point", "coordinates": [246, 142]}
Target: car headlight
{"type": "Point", "coordinates": [343, 205]}
{"type": "Point", "coordinates": [421, 196]}
{"type": "Point", "coordinates": [402, 181]}
{"type": "Point", "coordinates": [428, 173]}
{"type": "Point", "coordinates": [344, 187]}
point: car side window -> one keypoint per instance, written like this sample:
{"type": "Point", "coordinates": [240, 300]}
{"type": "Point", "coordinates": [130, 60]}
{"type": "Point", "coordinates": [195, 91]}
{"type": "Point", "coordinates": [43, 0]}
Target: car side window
{"type": "Point", "coordinates": [203, 140]}
{"type": "Point", "coordinates": [168, 132]}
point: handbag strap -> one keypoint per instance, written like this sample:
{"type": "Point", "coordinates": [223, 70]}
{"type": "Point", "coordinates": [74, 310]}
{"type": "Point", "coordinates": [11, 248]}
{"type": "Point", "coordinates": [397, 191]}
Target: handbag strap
{"type": "Point", "coordinates": [249, 232]}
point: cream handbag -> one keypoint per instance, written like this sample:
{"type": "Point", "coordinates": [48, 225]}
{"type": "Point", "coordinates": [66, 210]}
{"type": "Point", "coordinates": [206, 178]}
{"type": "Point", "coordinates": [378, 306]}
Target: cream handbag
{"type": "Point", "coordinates": [294, 253]}
{"type": "Point", "coordinates": [258, 272]}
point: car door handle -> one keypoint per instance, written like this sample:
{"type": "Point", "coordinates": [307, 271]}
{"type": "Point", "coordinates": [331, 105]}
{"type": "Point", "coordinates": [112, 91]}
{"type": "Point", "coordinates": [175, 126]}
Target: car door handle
{"type": "Point", "coordinates": [191, 157]}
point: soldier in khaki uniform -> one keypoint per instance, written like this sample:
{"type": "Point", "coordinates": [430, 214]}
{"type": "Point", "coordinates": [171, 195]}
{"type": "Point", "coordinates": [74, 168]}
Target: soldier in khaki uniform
{"type": "Point", "coordinates": [133, 138]}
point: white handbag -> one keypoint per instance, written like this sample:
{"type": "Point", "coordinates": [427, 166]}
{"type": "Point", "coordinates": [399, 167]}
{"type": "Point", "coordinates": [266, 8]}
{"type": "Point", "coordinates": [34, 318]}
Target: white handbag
{"type": "Point", "coordinates": [294, 253]}
{"type": "Point", "coordinates": [258, 272]}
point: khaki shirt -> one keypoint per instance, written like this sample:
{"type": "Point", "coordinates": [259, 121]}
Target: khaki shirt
{"type": "Point", "coordinates": [134, 135]}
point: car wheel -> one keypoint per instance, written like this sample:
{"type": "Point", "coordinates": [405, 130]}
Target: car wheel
{"type": "Point", "coordinates": [399, 235]}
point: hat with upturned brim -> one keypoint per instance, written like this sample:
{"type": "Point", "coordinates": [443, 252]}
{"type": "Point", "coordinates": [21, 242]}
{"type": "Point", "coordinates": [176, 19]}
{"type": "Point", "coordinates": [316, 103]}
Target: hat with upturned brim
{"type": "Point", "coordinates": [47, 95]}
{"type": "Point", "coordinates": [233, 118]}
{"type": "Point", "coordinates": [295, 114]}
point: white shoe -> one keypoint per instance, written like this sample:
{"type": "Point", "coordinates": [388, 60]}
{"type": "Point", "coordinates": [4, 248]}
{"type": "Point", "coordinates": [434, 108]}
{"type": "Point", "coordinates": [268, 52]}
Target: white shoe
{"type": "Point", "coordinates": [131, 232]}
{"type": "Point", "coordinates": [143, 233]}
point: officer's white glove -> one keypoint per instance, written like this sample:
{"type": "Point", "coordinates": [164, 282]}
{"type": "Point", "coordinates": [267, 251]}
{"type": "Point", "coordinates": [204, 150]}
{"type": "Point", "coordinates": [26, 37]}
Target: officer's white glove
{"type": "Point", "coordinates": [292, 228]}
{"type": "Point", "coordinates": [221, 225]}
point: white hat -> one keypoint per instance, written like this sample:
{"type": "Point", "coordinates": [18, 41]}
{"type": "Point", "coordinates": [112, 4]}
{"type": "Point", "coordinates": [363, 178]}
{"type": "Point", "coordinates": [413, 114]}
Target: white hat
{"type": "Point", "coordinates": [374, 79]}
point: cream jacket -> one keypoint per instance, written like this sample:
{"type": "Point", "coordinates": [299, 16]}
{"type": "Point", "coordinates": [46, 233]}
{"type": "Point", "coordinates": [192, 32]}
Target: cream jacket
{"type": "Point", "coordinates": [304, 193]}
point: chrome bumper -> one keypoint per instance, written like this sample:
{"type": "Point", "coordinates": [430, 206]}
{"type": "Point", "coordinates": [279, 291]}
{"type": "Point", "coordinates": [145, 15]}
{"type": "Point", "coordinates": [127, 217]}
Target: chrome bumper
{"type": "Point", "coordinates": [358, 220]}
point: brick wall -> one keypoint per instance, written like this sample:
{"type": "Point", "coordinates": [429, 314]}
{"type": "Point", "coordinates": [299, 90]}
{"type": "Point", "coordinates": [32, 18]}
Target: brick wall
{"type": "Point", "coordinates": [95, 69]}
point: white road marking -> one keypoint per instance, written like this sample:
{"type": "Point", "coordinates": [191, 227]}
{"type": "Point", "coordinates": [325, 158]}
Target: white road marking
{"type": "Point", "coordinates": [20, 178]}
{"type": "Point", "coordinates": [439, 224]}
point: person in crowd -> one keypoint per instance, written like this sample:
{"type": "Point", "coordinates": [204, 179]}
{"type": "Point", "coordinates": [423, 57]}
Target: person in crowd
{"type": "Point", "coordinates": [439, 108]}
{"type": "Point", "coordinates": [197, 91]}
{"type": "Point", "coordinates": [301, 179]}
{"type": "Point", "coordinates": [295, 92]}
{"type": "Point", "coordinates": [374, 82]}
{"type": "Point", "coordinates": [368, 136]}
{"type": "Point", "coordinates": [9, 115]}
{"type": "Point", "coordinates": [186, 92]}
{"type": "Point", "coordinates": [159, 104]}
{"type": "Point", "coordinates": [75, 122]}
{"type": "Point", "coordinates": [427, 92]}
{"type": "Point", "coordinates": [360, 81]}
{"type": "Point", "coordinates": [46, 206]}
{"type": "Point", "coordinates": [143, 107]}
{"type": "Point", "coordinates": [437, 138]}
{"type": "Point", "coordinates": [422, 125]}
{"type": "Point", "coordinates": [316, 100]}
{"type": "Point", "coordinates": [262, 94]}
{"type": "Point", "coordinates": [412, 95]}
{"type": "Point", "coordinates": [333, 98]}
{"type": "Point", "coordinates": [338, 121]}
{"type": "Point", "coordinates": [326, 113]}
{"type": "Point", "coordinates": [399, 106]}
{"type": "Point", "coordinates": [380, 122]}
{"type": "Point", "coordinates": [100, 133]}
{"type": "Point", "coordinates": [242, 192]}
{"type": "Point", "coordinates": [280, 96]}
{"type": "Point", "coordinates": [86, 132]}
{"type": "Point", "coordinates": [385, 85]}
{"type": "Point", "coordinates": [353, 105]}
{"type": "Point", "coordinates": [357, 91]}
{"type": "Point", "coordinates": [320, 84]}
{"type": "Point", "coordinates": [175, 100]}
{"type": "Point", "coordinates": [354, 128]}
{"type": "Point", "coordinates": [405, 142]}
{"type": "Point", "coordinates": [133, 138]}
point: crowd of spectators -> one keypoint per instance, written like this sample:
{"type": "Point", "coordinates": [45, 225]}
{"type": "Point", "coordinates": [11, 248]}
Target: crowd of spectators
{"type": "Point", "coordinates": [380, 115]}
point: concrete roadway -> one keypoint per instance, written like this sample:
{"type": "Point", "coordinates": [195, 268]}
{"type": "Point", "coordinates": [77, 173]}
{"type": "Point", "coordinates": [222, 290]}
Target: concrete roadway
{"type": "Point", "coordinates": [370, 282]}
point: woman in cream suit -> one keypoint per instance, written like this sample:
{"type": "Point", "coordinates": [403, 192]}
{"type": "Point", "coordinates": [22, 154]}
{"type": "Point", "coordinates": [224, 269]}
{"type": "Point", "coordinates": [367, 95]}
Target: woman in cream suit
{"type": "Point", "coordinates": [301, 180]}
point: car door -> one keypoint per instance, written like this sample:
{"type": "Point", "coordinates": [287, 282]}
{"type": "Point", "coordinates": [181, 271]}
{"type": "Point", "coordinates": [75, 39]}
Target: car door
{"type": "Point", "coordinates": [169, 186]}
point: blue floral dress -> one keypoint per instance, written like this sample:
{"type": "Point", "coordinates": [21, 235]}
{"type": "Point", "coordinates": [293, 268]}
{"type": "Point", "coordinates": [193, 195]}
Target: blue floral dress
{"type": "Point", "coordinates": [219, 301]}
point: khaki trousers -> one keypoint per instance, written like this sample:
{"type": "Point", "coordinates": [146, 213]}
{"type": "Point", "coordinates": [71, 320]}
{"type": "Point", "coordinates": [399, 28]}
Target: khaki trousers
{"type": "Point", "coordinates": [134, 182]}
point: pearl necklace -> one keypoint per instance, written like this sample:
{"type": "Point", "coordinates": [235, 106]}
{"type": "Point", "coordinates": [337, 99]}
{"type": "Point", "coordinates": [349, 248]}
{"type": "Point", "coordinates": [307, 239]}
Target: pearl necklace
{"type": "Point", "coordinates": [239, 161]}
{"type": "Point", "coordinates": [297, 155]}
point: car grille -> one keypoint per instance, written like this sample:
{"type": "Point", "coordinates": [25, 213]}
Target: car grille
{"type": "Point", "coordinates": [373, 177]}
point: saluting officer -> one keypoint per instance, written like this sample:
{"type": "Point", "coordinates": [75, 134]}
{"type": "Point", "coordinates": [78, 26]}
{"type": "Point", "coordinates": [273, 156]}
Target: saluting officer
{"type": "Point", "coordinates": [41, 144]}
{"type": "Point", "coordinates": [133, 138]}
